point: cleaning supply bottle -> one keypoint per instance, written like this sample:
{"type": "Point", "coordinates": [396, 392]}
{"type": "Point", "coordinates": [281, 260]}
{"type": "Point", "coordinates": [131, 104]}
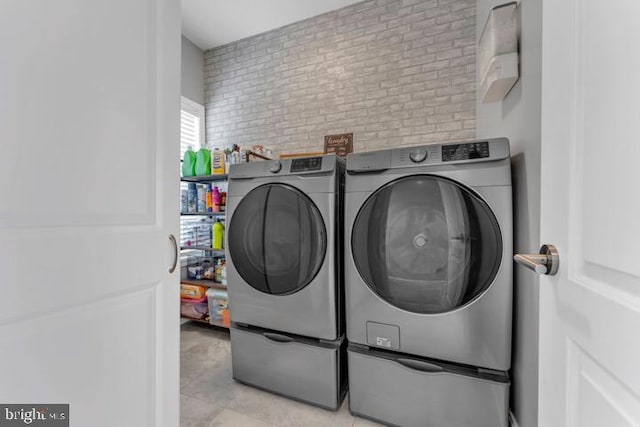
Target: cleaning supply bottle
{"type": "Point", "coordinates": [192, 198]}
{"type": "Point", "coordinates": [219, 271]}
{"type": "Point", "coordinates": [217, 231]}
{"type": "Point", "coordinates": [203, 162]}
{"type": "Point", "coordinates": [201, 205]}
{"type": "Point", "coordinates": [216, 199]}
{"type": "Point", "coordinates": [223, 201]}
{"type": "Point", "coordinates": [189, 163]}
{"type": "Point", "coordinates": [223, 273]}
{"type": "Point", "coordinates": [217, 162]}
{"type": "Point", "coordinates": [209, 199]}
{"type": "Point", "coordinates": [184, 201]}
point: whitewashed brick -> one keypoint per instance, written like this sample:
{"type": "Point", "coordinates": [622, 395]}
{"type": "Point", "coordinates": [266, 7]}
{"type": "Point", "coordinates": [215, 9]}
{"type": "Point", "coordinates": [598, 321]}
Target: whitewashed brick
{"type": "Point", "coordinates": [391, 71]}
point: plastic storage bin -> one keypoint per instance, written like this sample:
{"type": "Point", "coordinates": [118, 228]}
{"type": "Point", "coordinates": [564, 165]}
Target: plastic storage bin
{"type": "Point", "coordinates": [192, 292]}
{"type": "Point", "coordinates": [199, 268]}
{"type": "Point", "coordinates": [218, 304]}
{"type": "Point", "coordinates": [195, 309]}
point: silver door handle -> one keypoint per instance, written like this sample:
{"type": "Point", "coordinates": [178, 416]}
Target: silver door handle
{"type": "Point", "coordinates": [545, 262]}
{"type": "Point", "coordinates": [172, 238]}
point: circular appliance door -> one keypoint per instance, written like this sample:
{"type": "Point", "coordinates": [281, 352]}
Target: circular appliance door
{"type": "Point", "coordinates": [277, 239]}
{"type": "Point", "coordinates": [426, 244]}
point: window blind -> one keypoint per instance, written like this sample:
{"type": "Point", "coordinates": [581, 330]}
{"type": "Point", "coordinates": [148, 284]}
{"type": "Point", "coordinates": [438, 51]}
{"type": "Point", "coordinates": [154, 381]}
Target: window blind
{"type": "Point", "coordinates": [189, 132]}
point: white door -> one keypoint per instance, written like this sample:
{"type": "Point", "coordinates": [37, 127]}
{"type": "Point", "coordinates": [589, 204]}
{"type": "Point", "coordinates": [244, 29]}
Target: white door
{"type": "Point", "coordinates": [89, 131]}
{"type": "Point", "coordinates": [590, 311]}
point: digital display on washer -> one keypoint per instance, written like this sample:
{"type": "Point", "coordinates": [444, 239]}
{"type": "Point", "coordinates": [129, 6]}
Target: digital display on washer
{"type": "Point", "coordinates": [472, 150]}
{"type": "Point", "coordinates": [306, 165]}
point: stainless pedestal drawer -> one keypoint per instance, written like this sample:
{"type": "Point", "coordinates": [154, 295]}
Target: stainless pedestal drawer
{"type": "Point", "coordinates": [408, 391]}
{"type": "Point", "coordinates": [305, 369]}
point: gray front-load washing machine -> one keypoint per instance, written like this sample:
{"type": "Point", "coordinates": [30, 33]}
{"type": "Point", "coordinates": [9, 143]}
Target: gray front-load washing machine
{"type": "Point", "coordinates": [428, 282]}
{"type": "Point", "coordinates": [284, 270]}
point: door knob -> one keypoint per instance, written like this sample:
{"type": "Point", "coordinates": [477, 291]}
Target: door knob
{"type": "Point", "coordinates": [172, 239]}
{"type": "Point", "coordinates": [545, 262]}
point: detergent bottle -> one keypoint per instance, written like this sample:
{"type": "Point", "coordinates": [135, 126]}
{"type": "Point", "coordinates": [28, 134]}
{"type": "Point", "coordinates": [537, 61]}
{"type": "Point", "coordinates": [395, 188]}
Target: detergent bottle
{"type": "Point", "coordinates": [203, 162]}
{"type": "Point", "coordinates": [217, 231]}
{"type": "Point", "coordinates": [189, 163]}
{"type": "Point", "coordinates": [216, 199]}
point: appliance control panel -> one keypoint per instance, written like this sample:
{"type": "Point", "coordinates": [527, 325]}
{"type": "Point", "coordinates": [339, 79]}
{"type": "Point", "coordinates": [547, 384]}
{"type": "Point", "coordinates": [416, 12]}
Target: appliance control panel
{"type": "Point", "coordinates": [468, 151]}
{"type": "Point", "coordinates": [284, 167]}
{"type": "Point", "coordinates": [453, 153]}
{"type": "Point", "coordinates": [306, 165]}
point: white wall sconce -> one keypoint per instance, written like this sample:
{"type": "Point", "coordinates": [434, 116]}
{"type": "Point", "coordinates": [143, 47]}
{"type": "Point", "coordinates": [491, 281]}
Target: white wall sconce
{"type": "Point", "coordinates": [498, 53]}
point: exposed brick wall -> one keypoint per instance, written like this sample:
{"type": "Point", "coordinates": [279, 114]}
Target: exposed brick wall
{"type": "Point", "coordinates": [393, 72]}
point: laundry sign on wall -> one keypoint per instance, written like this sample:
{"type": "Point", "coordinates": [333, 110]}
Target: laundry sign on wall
{"type": "Point", "coordinates": [341, 144]}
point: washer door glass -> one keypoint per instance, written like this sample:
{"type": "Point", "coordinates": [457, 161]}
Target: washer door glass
{"type": "Point", "coordinates": [277, 239]}
{"type": "Point", "coordinates": [426, 244]}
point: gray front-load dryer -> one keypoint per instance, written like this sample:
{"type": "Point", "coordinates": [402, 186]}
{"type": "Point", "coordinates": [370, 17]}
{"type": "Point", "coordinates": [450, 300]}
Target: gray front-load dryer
{"type": "Point", "coordinates": [428, 247]}
{"type": "Point", "coordinates": [284, 245]}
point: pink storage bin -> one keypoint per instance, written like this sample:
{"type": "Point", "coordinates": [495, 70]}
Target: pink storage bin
{"type": "Point", "coordinates": [195, 309]}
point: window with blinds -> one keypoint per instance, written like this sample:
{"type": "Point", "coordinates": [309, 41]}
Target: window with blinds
{"type": "Point", "coordinates": [193, 229]}
{"type": "Point", "coordinates": [191, 126]}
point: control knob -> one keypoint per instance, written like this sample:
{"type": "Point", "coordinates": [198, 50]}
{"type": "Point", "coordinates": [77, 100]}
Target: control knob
{"type": "Point", "coordinates": [418, 155]}
{"type": "Point", "coordinates": [275, 166]}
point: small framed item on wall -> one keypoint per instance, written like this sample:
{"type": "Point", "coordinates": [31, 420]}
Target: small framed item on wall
{"type": "Point", "coordinates": [341, 144]}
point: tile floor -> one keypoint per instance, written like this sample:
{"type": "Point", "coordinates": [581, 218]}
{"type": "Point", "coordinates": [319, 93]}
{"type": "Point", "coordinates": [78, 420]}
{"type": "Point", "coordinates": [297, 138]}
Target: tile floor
{"type": "Point", "coordinates": [211, 398]}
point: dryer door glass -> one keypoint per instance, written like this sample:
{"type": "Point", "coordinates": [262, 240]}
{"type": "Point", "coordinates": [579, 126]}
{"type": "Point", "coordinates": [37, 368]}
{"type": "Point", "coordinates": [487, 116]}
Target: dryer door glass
{"type": "Point", "coordinates": [426, 244]}
{"type": "Point", "coordinates": [277, 239]}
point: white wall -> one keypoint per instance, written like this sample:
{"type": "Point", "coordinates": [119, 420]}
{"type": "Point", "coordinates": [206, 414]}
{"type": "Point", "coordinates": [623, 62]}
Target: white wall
{"type": "Point", "coordinates": [518, 118]}
{"type": "Point", "coordinates": [192, 71]}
